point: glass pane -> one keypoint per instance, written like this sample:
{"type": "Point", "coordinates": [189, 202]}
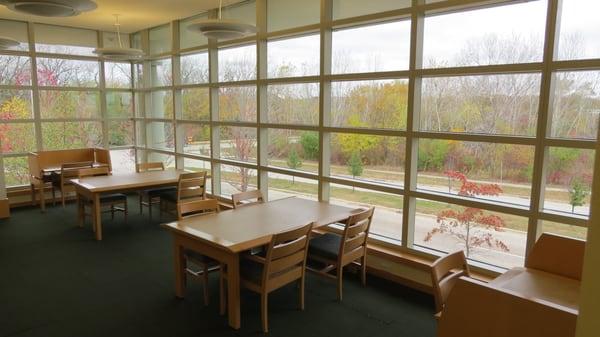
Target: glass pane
{"type": "Point", "coordinates": [244, 11]}
{"type": "Point", "coordinates": [15, 70]}
{"type": "Point", "coordinates": [167, 159]}
{"type": "Point", "coordinates": [195, 104]}
{"type": "Point", "coordinates": [569, 174]}
{"type": "Point", "coordinates": [486, 104]}
{"type": "Point", "coordinates": [16, 171]}
{"type": "Point", "coordinates": [450, 40]}
{"type": "Point", "coordinates": [294, 149]}
{"type": "Point", "coordinates": [123, 161]}
{"type": "Point", "coordinates": [17, 137]}
{"type": "Point", "coordinates": [67, 73]}
{"type": "Point", "coordinates": [489, 237]}
{"type": "Point", "coordinates": [65, 40]}
{"type": "Point", "coordinates": [136, 40]}
{"type": "Point", "coordinates": [349, 8]}
{"type": "Point", "coordinates": [575, 104]}
{"type": "Point", "coordinates": [292, 57]}
{"type": "Point", "coordinates": [196, 139]}
{"type": "Point", "coordinates": [69, 104]}
{"type": "Point", "coordinates": [382, 47]}
{"type": "Point", "coordinates": [15, 104]}
{"type": "Point", "coordinates": [140, 134]}
{"type": "Point", "coordinates": [71, 135]}
{"type": "Point", "coordinates": [160, 40]}
{"type": "Point", "coordinates": [160, 135]}
{"type": "Point", "coordinates": [575, 232]}
{"type": "Point", "coordinates": [138, 98]}
{"type": "Point", "coordinates": [293, 103]}
{"type": "Point", "coordinates": [120, 133]}
{"type": "Point", "coordinates": [379, 104]}
{"type": "Point", "coordinates": [189, 39]}
{"type": "Point", "coordinates": [388, 219]}
{"type": "Point", "coordinates": [194, 68]}
{"type": "Point", "coordinates": [138, 76]}
{"type": "Point", "coordinates": [119, 104]}
{"type": "Point", "coordinates": [195, 165]}
{"type": "Point", "coordinates": [162, 104]}
{"type": "Point", "coordinates": [110, 39]}
{"type": "Point", "coordinates": [284, 186]}
{"type": "Point", "coordinates": [117, 75]}
{"type": "Point", "coordinates": [161, 73]}
{"type": "Point", "coordinates": [578, 30]}
{"type": "Point", "coordinates": [237, 104]}
{"type": "Point", "coordinates": [375, 159]}
{"type": "Point", "coordinates": [284, 14]}
{"type": "Point", "coordinates": [237, 64]}
{"type": "Point", "coordinates": [238, 143]}
{"type": "Point", "coordinates": [487, 171]}
{"type": "Point", "coordinates": [16, 30]}
{"type": "Point", "coordinates": [236, 179]}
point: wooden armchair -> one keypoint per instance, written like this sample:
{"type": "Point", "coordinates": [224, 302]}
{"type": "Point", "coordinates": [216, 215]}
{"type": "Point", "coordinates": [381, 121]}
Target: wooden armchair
{"type": "Point", "coordinates": [116, 201]}
{"type": "Point", "coordinates": [151, 196]}
{"type": "Point", "coordinates": [284, 262]}
{"type": "Point", "coordinates": [191, 186]}
{"type": "Point", "coordinates": [337, 251]}
{"type": "Point", "coordinates": [445, 271]}
{"type": "Point", "coordinates": [247, 198]}
{"type": "Point", "coordinates": [188, 209]}
{"type": "Point", "coordinates": [67, 172]}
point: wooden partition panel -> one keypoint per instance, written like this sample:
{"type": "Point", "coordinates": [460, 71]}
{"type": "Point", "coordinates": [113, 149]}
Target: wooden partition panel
{"type": "Point", "coordinates": [557, 255]}
{"type": "Point", "coordinates": [103, 156]}
{"type": "Point", "coordinates": [475, 308]}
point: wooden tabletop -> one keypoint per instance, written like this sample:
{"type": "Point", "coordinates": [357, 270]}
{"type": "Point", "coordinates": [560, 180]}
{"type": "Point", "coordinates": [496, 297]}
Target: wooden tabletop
{"type": "Point", "coordinates": [252, 226]}
{"type": "Point", "coordinates": [128, 181]}
{"type": "Point", "coordinates": [540, 285]}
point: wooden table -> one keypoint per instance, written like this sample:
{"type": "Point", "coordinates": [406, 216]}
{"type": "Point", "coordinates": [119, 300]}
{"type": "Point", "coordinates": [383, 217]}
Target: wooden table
{"type": "Point", "coordinates": [224, 235]}
{"type": "Point", "coordinates": [539, 285]}
{"type": "Point", "coordinates": [91, 188]}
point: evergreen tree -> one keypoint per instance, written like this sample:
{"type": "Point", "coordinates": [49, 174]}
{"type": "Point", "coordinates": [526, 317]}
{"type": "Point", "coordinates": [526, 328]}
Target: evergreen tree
{"type": "Point", "coordinates": [577, 194]}
{"type": "Point", "coordinates": [355, 165]}
{"type": "Point", "coordinates": [294, 162]}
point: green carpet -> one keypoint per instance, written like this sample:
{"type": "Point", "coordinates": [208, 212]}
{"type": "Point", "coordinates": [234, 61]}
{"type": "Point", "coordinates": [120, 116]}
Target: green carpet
{"type": "Point", "coordinates": [56, 280]}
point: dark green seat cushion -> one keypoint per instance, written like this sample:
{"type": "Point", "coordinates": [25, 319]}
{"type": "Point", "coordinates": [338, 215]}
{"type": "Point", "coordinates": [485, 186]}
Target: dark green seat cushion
{"type": "Point", "coordinates": [113, 197]}
{"type": "Point", "coordinates": [326, 246]}
{"type": "Point", "coordinates": [156, 192]}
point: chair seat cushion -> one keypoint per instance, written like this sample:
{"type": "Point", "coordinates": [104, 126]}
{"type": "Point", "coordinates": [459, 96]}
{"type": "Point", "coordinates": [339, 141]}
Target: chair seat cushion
{"type": "Point", "coordinates": [195, 256]}
{"type": "Point", "coordinates": [169, 195]}
{"type": "Point", "coordinates": [113, 197]}
{"type": "Point", "coordinates": [156, 192]}
{"type": "Point", "coordinates": [326, 246]}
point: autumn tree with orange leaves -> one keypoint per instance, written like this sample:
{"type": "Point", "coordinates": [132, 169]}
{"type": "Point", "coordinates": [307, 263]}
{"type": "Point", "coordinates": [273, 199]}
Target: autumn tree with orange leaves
{"type": "Point", "coordinates": [473, 227]}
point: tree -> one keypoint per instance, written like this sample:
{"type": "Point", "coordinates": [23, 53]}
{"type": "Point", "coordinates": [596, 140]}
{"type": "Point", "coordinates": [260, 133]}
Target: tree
{"type": "Point", "coordinates": [310, 144]}
{"type": "Point", "coordinates": [577, 194]}
{"type": "Point", "coordinates": [472, 226]}
{"type": "Point", "coordinates": [294, 162]}
{"type": "Point", "coordinates": [355, 165]}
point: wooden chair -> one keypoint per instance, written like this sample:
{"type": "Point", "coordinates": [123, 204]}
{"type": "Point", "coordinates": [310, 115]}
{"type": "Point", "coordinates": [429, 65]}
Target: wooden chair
{"type": "Point", "coordinates": [284, 262]}
{"type": "Point", "coordinates": [153, 194]}
{"type": "Point", "coordinates": [337, 251]}
{"type": "Point", "coordinates": [114, 200]}
{"type": "Point", "coordinates": [193, 208]}
{"type": "Point", "coordinates": [445, 271]}
{"type": "Point", "coordinates": [244, 198]}
{"type": "Point", "coordinates": [67, 172]}
{"type": "Point", "coordinates": [191, 186]}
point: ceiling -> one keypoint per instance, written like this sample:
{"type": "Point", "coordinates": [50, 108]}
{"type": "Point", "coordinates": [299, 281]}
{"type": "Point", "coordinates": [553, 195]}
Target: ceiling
{"type": "Point", "coordinates": [134, 14]}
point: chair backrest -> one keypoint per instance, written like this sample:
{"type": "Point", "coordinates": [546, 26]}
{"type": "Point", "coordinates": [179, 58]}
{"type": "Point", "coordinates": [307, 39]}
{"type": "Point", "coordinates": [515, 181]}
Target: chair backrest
{"type": "Point", "coordinates": [71, 170]}
{"type": "Point", "coordinates": [244, 198]}
{"type": "Point", "coordinates": [285, 260]}
{"type": "Point", "coordinates": [154, 166]}
{"type": "Point", "coordinates": [445, 271]}
{"type": "Point", "coordinates": [191, 186]}
{"type": "Point", "coordinates": [354, 237]}
{"type": "Point", "coordinates": [192, 208]}
{"type": "Point", "coordinates": [92, 172]}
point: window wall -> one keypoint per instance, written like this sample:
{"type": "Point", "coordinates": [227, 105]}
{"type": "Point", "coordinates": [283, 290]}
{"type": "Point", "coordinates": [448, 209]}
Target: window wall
{"type": "Point", "coordinates": [55, 94]}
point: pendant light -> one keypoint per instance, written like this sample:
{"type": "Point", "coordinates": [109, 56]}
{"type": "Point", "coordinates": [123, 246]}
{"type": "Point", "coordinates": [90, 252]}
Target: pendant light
{"type": "Point", "coordinates": [221, 29]}
{"type": "Point", "coordinates": [119, 53]}
{"type": "Point", "coordinates": [52, 8]}
{"type": "Point", "coordinates": [8, 43]}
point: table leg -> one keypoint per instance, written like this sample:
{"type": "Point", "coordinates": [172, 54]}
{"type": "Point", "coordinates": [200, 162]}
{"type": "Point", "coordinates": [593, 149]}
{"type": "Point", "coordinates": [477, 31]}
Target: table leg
{"type": "Point", "coordinates": [233, 291]}
{"type": "Point", "coordinates": [180, 266]}
{"type": "Point", "coordinates": [97, 216]}
{"type": "Point", "coordinates": [42, 199]}
{"type": "Point", "coordinates": [80, 210]}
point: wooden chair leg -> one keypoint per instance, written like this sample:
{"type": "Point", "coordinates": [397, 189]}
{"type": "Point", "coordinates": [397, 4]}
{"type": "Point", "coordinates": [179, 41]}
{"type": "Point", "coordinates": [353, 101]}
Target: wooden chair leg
{"type": "Point", "coordinates": [150, 207]}
{"type": "Point", "coordinates": [301, 293]}
{"type": "Point", "coordinates": [264, 302]}
{"type": "Point", "coordinates": [205, 285]}
{"type": "Point", "coordinates": [112, 211]}
{"type": "Point", "coordinates": [126, 210]}
{"type": "Point", "coordinates": [141, 195]}
{"type": "Point", "coordinates": [54, 196]}
{"type": "Point", "coordinates": [340, 274]}
{"type": "Point", "coordinates": [222, 305]}
{"type": "Point", "coordinates": [363, 271]}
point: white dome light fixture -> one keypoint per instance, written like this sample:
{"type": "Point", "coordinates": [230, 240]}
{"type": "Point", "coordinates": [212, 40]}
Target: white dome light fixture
{"type": "Point", "coordinates": [8, 43]}
{"type": "Point", "coordinates": [222, 29]}
{"type": "Point", "coordinates": [119, 53]}
{"type": "Point", "coordinates": [51, 8]}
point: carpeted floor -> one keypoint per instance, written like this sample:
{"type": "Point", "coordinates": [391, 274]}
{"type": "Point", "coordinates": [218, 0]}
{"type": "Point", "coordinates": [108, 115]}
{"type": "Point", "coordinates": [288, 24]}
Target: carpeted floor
{"type": "Point", "coordinates": [55, 280]}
